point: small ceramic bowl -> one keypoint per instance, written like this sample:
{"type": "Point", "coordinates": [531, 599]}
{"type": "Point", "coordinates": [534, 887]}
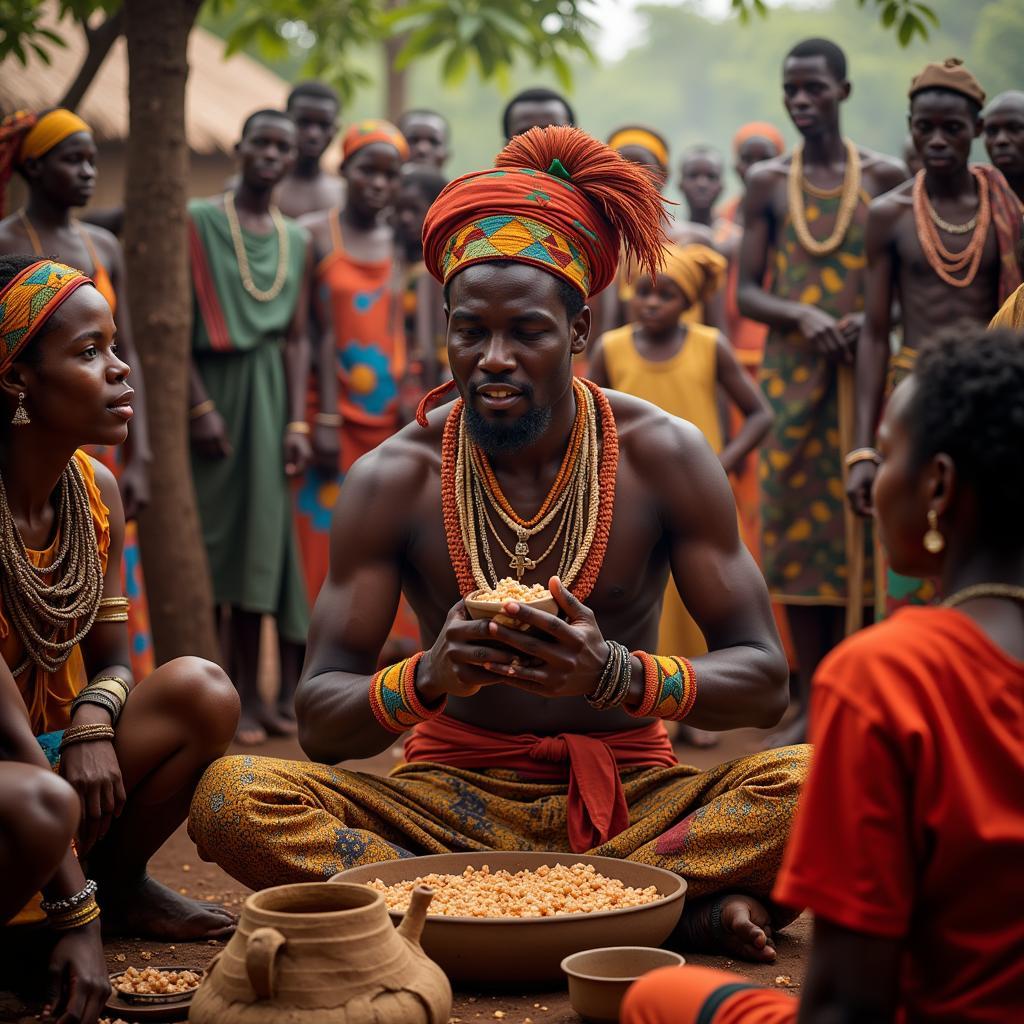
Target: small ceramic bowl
{"type": "Point", "coordinates": [154, 998]}
{"type": "Point", "coordinates": [598, 978]}
{"type": "Point", "coordinates": [479, 609]}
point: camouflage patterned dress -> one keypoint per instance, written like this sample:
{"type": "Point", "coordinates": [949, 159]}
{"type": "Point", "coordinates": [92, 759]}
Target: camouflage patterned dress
{"type": "Point", "coordinates": [807, 531]}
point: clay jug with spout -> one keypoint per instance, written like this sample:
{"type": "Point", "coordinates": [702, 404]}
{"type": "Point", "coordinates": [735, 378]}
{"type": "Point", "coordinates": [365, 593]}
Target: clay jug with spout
{"type": "Point", "coordinates": [324, 953]}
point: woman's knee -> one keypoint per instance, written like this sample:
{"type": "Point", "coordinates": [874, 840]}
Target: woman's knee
{"type": "Point", "coordinates": [40, 812]}
{"type": "Point", "coordinates": [200, 694]}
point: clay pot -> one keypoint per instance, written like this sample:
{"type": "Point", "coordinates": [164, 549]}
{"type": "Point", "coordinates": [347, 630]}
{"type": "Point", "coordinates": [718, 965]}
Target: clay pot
{"type": "Point", "coordinates": [324, 953]}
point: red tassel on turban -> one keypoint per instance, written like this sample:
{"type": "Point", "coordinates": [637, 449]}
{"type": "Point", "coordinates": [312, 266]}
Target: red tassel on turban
{"type": "Point", "coordinates": [558, 199]}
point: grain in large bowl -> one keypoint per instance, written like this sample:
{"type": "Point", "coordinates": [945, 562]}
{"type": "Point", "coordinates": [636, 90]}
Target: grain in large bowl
{"type": "Point", "coordinates": [518, 951]}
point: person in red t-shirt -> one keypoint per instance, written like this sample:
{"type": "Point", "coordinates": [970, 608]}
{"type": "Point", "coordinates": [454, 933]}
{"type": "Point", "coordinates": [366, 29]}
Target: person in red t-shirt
{"type": "Point", "coordinates": [909, 841]}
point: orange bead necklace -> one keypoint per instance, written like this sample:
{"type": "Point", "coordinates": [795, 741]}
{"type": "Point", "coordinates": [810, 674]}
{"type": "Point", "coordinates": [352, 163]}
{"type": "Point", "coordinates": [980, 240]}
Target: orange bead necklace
{"type": "Point", "coordinates": [940, 259]}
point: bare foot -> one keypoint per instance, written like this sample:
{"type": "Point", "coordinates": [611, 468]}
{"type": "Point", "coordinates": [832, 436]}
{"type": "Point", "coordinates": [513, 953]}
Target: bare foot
{"type": "Point", "coordinates": [789, 735]}
{"type": "Point", "coordinates": [699, 738]}
{"type": "Point", "coordinates": [249, 732]}
{"type": "Point", "coordinates": [149, 910]}
{"type": "Point", "coordinates": [743, 929]}
{"type": "Point", "coordinates": [276, 724]}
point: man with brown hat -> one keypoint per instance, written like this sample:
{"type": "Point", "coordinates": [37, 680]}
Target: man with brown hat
{"type": "Point", "coordinates": [945, 245]}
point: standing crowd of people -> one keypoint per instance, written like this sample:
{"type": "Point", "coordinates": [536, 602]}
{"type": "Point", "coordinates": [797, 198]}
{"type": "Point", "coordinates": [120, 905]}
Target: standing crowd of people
{"type": "Point", "coordinates": [725, 440]}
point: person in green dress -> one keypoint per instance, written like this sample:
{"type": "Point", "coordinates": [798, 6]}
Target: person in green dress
{"type": "Point", "coordinates": [250, 362]}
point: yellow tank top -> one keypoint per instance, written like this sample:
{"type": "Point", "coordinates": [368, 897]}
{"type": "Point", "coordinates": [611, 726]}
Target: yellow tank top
{"type": "Point", "coordinates": [685, 385]}
{"type": "Point", "coordinates": [48, 695]}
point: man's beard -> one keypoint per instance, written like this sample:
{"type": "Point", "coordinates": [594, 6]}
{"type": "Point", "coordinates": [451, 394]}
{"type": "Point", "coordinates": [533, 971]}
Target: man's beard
{"type": "Point", "coordinates": [499, 437]}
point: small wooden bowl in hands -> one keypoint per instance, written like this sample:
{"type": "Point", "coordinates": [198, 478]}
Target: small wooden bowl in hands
{"type": "Point", "coordinates": [599, 978]}
{"type": "Point", "coordinates": [490, 609]}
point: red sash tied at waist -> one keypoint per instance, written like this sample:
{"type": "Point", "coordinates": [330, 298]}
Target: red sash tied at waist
{"type": "Point", "coordinates": [597, 809]}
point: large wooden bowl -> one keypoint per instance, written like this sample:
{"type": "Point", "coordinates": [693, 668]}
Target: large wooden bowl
{"type": "Point", "coordinates": [518, 951]}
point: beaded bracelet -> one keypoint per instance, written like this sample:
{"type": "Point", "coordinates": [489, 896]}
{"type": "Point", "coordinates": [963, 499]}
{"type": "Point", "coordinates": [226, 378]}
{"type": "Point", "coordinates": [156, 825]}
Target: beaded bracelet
{"type": "Point", "coordinates": [85, 734]}
{"type": "Point", "coordinates": [76, 918]}
{"type": "Point", "coordinates": [71, 902]}
{"type": "Point", "coordinates": [111, 684]}
{"type": "Point", "coordinates": [670, 687]}
{"type": "Point", "coordinates": [393, 698]}
{"type": "Point", "coordinates": [102, 698]}
{"type": "Point", "coordinates": [613, 686]}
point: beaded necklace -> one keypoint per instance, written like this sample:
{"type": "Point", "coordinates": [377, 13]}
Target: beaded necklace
{"type": "Point", "coordinates": [940, 259]}
{"type": "Point", "coordinates": [848, 192]}
{"type": "Point", "coordinates": [242, 256]}
{"type": "Point", "coordinates": [587, 500]}
{"type": "Point", "coordinates": [45, 614]}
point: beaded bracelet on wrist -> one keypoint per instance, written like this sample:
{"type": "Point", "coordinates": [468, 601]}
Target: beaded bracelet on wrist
{"type": "Point", "coordinates": [70, 902]}
{"type": "Point", "coordinates": [613, 686]}
{"type": "Point", "coordinates": [670, 687]}
{"type": "Point", "coordinates": [86, 734]}
{"type": "Point", "coordinates": [100, 698]}
{"type": "Point", "coordinates": [80, 916]}
{"type": "Point", "coordinates": [393, 698]}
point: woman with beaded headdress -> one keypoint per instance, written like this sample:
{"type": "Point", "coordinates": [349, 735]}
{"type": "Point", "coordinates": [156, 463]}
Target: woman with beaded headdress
{"type": "Point", "coordinates": [130, 750]}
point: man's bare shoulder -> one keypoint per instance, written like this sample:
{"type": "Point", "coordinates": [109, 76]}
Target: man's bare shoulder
{"type": "Point", "coordinates": [651, 437]}
{"type": "Point", "coordinates": [768, 172]}
{"type": "Point", "coordinates": [881, 171]}
{"type": "Point", "coordinates": [890, 206]}
{"type": "Point", "coordinates": [397, 468]}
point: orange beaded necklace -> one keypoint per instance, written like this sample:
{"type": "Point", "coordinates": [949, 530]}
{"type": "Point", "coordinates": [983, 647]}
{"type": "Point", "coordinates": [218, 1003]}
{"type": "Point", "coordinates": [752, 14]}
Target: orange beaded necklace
{"type": "Point", "coordinates": [608, 466]}
{"type": "Point", "coordinates": [940, 259]}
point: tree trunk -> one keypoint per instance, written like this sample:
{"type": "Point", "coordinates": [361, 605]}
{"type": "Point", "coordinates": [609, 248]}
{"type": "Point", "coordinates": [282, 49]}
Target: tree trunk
{"type": "Point", "coordinates": [173, 556]}
{"type": "Point", "coordinates": [99, 41]}
{"type": "Point", "coordinates": [395, 81]}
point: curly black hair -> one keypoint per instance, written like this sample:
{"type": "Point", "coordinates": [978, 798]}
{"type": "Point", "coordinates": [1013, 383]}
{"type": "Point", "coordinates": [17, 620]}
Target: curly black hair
{"type": "Point", "coordinates": [969, 403]}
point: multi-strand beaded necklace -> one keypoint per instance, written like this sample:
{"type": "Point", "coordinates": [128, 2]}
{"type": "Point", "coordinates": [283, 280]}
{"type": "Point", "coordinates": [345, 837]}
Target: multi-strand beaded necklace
{"type": "Point", "coordinates": [579, 504]}
{"type": "Point", "coordinates": [51, 618]}
{"type": "Point", "coordinates": [848, 194]}
{"type": "Point", "coordinates": [940, 259]}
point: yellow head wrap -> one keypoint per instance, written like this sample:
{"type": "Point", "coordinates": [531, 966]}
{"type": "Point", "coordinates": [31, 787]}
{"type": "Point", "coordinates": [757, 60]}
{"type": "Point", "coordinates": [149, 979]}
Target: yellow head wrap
{"type": "Point", "coordinates": [642, 137]}
{"type": "Point", "coordinates": [49, 131]}
{"type": "Point", "coordinates": [697, 269]}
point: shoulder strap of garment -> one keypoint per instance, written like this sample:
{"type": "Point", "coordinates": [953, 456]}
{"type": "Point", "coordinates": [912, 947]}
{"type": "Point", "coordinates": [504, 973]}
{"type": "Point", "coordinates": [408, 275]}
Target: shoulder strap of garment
{"type": "Point", "coordinates": [206, 291]}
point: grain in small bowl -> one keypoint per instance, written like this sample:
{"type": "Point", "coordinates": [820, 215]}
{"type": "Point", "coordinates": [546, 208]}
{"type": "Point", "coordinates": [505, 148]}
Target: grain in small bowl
{"type": "Point", "coordinates": [488, 604]}
{"type": "Point", "coordinates": [154, 986]}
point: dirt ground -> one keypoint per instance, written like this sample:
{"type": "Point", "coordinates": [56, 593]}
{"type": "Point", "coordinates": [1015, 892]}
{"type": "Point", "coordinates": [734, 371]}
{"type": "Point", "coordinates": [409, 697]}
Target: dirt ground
{"type": "Point", "coordinates": [23, 958]}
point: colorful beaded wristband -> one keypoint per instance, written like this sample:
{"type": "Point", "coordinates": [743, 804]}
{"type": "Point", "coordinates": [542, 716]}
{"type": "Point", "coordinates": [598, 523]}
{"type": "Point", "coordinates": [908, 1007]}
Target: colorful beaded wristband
{"type": "Point", "coordinates": [393, 698]}
{"type": "Point", "coordinates": [670, 687]}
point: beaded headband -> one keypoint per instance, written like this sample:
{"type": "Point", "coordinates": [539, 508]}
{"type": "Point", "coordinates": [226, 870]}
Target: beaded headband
{"type": "Point", "coordinates": [29, 300]}
{"type": "Point", "coordinates": [506, 236]}
{"type": "Point", "coordinates": [642, 137]}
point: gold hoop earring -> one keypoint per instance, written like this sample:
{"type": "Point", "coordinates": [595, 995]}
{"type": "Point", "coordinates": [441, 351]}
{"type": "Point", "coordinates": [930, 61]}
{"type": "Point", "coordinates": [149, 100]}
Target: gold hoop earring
{"type": "Point", "coordinates": [21, 417]}
{"type": "Point", "coordinates": [934, 542]}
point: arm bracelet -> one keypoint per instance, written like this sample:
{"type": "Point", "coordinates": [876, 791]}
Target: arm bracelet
{"type": "Point", "coordinates": [613, 686]}
{"type": "Point", "coordinates": [393, 698]}
{"type": "Point", "coordinates": [102, 699]}
{"type": "Point", "coordinates": [862, 455]}
{"type": "Point", "coordinates": [670, 687]}
{"type": "Point", "coordinates": [86, 734]}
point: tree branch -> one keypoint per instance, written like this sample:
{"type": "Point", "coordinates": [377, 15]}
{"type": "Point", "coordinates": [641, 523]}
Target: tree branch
{"type": "Point", "coordinates": [99, 39]}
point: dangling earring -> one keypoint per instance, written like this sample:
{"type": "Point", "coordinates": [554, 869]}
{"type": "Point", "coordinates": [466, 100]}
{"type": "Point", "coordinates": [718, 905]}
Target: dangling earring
{"type": "Point", "coordinates": [934, 542]}
{"type": "Point", "coordinates": [20, 417]}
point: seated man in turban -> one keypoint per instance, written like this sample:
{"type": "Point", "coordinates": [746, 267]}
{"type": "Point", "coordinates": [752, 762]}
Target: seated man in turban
{"type": "Point", "coordinates": [551, 739]}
